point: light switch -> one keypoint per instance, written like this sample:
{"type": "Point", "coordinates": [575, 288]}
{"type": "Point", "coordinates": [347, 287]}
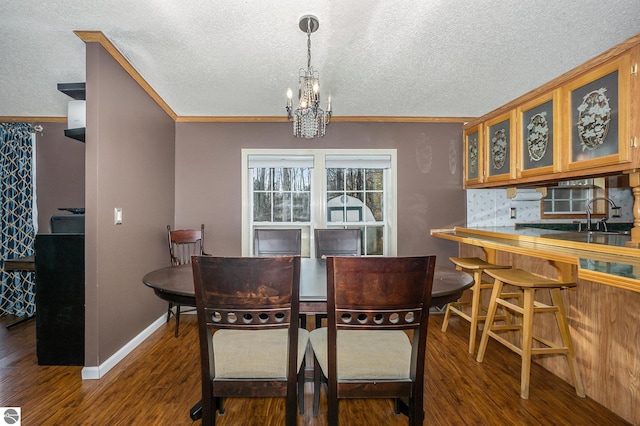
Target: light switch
{"type": "Point", "coordinates": [117, 216]}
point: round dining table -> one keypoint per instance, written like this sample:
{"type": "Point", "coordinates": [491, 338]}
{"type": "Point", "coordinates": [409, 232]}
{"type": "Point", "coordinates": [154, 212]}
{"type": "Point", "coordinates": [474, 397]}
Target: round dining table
{"type": "Point", "coordinates": [175, 284]}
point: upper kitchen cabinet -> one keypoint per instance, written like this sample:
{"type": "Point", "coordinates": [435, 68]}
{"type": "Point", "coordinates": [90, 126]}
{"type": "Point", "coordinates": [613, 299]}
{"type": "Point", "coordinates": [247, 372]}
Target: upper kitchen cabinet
{"type": "Point", "coordinates": [538, 138]}
{"type": "Point", "coordinates": [500, 151]}
{"type": "Point", "coordinates": [597, 116]}
{"type": "Point", "coordinates": [473, 155]}
{"type": "Point", "coordinates": [581, 124]}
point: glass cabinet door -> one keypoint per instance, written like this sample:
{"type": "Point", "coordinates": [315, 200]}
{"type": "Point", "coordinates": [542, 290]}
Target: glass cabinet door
{"type": "Point", "coordinates": [500, 152]}
{"type": "Point", "coordinates": [473, 155]}
{"type": "Point", "coordinates": [597, 105]}
{"type": "Point", "coordinates": [539, 136]}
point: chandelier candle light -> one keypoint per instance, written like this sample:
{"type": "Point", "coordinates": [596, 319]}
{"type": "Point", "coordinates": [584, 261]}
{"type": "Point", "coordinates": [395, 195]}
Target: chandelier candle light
{"type": "Point", "coordinates": [309, 120]}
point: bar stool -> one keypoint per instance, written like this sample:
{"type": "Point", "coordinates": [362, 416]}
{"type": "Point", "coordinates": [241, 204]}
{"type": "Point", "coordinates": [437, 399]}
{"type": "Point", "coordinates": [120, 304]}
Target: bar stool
{"type": "Point", "coordinates": [475, 266]}
{"type": "Point", "coordinates": [528, 283]}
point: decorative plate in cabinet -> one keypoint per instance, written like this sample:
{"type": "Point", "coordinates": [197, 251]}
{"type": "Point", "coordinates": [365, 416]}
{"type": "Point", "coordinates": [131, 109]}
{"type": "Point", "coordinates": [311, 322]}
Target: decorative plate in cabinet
{"type": "Point", "coordinates": [597, 103]}
{"type": "Point", "coordinates": [539, 136]}
{"type": "Point", "coordinates": [473, 155]}
{"type": "Point", "coordinates": [500, 149]}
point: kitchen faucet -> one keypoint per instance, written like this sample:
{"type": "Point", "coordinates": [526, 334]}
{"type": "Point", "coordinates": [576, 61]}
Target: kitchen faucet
{"type": "Point", "coordinates": [589, 208]}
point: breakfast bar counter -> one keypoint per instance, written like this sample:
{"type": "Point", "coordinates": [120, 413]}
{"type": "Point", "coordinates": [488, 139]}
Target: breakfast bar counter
{"type": "Point", "coordinates": [603, 308]}
{"type": "Point", "coordinates": [596, 256]}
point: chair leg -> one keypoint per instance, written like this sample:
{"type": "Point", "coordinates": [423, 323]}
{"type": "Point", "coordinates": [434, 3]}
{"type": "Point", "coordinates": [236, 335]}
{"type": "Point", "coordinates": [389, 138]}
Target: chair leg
{"type": "Point", "coordinates": [301, 389]}
{"type": "Point", "coordinates": [488, 323]}
{"type": "Point", "coordinates": [527, 340]}
{"type": "Point", "coordinates": [177, 319]}
{"type": "Point", "coordinates": [317, 378]}
{"type": "Point", "coordinates": [208, 411]}
{"type": "Point", "coordinates": [447, 315]}
{"type": "Point", "coordinates": [475, 309]}
{"type": "Point", "coordinates": [447, 311]}
{"type": "Point", "coordinates": [416, 411]}
{"type": "Point", "coordinates": [561, 318]}
{"type": "Point", "coordinates": [291, 412]}
{"type": "Point", "coordinates": [169, 312]}
{"type": "Point", "coordinates": [332, 401]}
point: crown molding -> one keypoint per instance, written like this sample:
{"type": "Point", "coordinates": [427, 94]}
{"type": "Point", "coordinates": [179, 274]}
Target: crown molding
{"type": "Point", "coordinates": [99, 37]}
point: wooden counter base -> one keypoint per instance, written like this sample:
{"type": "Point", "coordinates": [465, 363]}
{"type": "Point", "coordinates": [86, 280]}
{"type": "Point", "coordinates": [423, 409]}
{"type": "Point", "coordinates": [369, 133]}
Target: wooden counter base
{"type": "Point", "coordinates": [603, 310]}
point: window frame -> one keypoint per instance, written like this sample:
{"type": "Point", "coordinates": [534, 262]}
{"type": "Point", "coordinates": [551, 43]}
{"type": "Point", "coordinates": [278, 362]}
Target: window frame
{"type": "Point", "coordinates": [319, 191]}
{"type": "Point", "coordinates": [596, 187]}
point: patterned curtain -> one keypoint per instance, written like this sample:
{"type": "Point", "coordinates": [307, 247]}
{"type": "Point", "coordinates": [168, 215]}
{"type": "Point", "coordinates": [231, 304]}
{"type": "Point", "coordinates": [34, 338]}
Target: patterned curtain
{"type": "Point", "coordinates": [17, 206]}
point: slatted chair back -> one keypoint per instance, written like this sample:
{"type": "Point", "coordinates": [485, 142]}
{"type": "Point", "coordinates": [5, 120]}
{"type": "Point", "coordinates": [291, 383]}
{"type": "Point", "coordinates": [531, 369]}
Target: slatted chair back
{"type": "Point", "coordinates": [249, 345]}
{"type": "Point", "coordinates": [277, 242]}
{"type": "Point", "coordinates": [338, 242]}
{"type": "Point", "coordinates": [184, 243]}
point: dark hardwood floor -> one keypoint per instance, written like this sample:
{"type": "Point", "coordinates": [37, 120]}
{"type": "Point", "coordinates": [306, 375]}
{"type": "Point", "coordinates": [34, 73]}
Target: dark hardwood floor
{"type": "Point", "coordinates": [158, 383]}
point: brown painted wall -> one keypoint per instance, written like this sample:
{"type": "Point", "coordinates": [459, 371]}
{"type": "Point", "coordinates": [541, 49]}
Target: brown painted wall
{"type": "Point", "coordinates": [129, 164]}
{"type": "Point", "coordinates": [430, 194]}
{"type": "Point", "coordinates": [59, 172]}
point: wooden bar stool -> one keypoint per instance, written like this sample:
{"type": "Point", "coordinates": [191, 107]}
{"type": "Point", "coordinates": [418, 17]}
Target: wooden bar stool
{"type": "Point", "coordinates": [476, 267]}
{"type": "Point", "coordinates": [528, 283]}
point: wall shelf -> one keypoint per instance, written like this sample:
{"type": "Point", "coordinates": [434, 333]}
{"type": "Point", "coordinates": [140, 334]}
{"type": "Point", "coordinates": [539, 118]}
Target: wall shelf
{"type": "Point", "coordinates": [76, 91]}
{"type": "Point", "coordinates": [77, 134]}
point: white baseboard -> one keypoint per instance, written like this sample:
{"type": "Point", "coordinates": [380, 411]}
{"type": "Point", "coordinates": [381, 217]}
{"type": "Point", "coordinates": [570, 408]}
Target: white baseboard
{"type": "Point", "coordinates": [93, 373]}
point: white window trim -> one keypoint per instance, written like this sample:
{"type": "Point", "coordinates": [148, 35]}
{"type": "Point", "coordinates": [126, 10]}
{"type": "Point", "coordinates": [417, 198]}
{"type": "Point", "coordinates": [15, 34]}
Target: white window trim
{"type": "Point", "coordinates": [318, 200]}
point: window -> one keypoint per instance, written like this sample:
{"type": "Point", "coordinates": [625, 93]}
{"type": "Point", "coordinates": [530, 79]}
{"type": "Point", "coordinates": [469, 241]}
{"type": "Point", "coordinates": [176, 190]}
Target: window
{"type": "Point", "coordinates": [355, 197]}
{"type": "Point", "coordinates": [569, 199]}
{"type": "Point", "coordinates": [321, 189]}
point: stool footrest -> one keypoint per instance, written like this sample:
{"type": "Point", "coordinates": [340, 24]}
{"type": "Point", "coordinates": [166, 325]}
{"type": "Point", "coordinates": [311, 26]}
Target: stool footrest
{"type": "Point", "coordinates": [505, 342]}
{"type": "Point", "coordinates": [460, 313]}
{"type": "Point", "coordinates": [548, 351]}
{"type": "Point", "coordinates": [513, 327]}
{"type": "Point", "coordinates": [511, 295]}
{"type": "Point", "coordinates": [548, 343]}
{"type": "Point", "coordinates": [510, 306]}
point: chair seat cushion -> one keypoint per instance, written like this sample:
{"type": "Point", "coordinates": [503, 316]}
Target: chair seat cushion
{"type": "Point", "coordinates": [365, 354]}
{"type": "Point", "coordinates": [260, 354]}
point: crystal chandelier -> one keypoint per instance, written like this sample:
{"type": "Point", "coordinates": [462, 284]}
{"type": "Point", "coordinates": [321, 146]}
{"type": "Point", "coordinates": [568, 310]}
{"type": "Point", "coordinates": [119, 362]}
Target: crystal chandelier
{"type": "Point", "coordinates": [309, 120]}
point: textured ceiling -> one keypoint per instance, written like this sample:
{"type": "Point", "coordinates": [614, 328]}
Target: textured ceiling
{"type": "Point", "coordinates": [429, 58]}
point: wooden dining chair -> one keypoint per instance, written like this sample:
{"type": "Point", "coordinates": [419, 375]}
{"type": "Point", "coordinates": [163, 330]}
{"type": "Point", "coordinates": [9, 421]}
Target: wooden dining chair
{"type": "Point", "coordinates": [277, 242]}
{"type": "Point", "coordinates": [249, 345]}
{"type": "Point", "coordinates": [336, 242]}
{"type": "Point", "coordinates": [183, 244]}
{"type": "Point", "coordinates": [364, 352]}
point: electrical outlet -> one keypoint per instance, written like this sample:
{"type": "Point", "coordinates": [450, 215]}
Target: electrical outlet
{"type": "Point", "coordinates": [512, 212]}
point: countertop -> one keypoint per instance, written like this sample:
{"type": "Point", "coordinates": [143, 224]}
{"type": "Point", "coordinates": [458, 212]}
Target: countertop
{"type": "Point", "coordinates": [599, 257]}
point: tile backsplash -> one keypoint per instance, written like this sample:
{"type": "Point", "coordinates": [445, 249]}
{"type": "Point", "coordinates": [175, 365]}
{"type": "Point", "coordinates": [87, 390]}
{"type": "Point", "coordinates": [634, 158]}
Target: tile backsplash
{"type": "Point", "coordinates": [491, 207]}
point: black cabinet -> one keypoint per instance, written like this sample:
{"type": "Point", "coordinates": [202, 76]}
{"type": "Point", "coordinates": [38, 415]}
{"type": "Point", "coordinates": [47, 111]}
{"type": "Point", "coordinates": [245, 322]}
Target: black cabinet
{"type": "Point", "coordinates": [59, 264]}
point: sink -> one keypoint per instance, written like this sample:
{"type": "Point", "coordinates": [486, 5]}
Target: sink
{"type": "Point", "coordinates": [598, 237]}
{"type": "Point", "coordinates": [606, 232]}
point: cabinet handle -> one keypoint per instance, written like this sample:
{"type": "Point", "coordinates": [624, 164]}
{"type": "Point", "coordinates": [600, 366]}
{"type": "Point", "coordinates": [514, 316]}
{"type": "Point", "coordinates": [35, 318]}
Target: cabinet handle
{"type": "Point", "coordinates": [634, 142]}
{"type": "Point", "coordinates": [634, 69]}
